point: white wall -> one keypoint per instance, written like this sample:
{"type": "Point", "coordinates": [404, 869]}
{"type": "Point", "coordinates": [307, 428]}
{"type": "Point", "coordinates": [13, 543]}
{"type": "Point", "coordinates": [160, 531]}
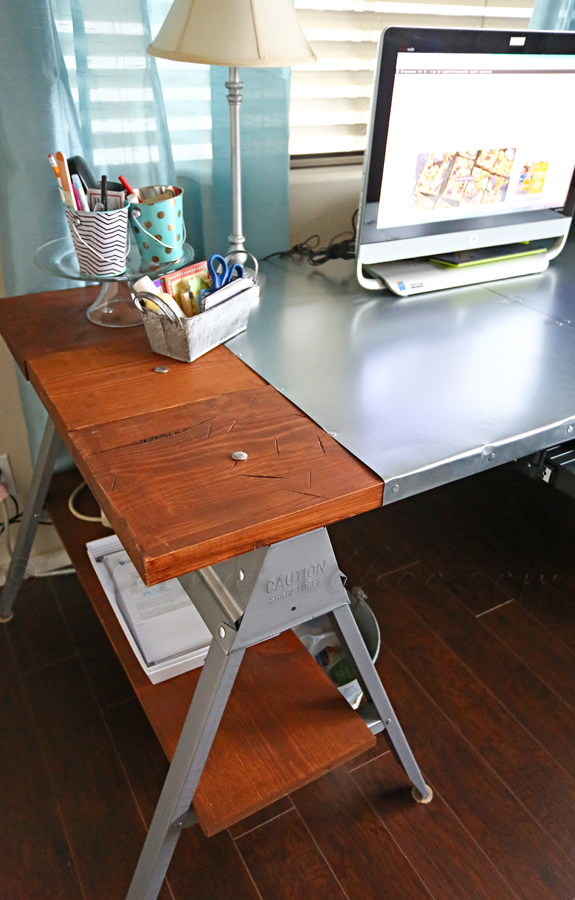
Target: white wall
{"type": "Point", "coordinates": [322, 200]}
{"type": "Point", "coordinates": [47, 552]}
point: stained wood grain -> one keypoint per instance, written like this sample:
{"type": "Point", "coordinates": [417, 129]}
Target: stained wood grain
{"type": "Point", "coordinates": [35, 858]}
{"type": "Point", "coordinates": [285, 723]}
{"type": "Point", "coordinates": [101, 665]}
{"type": "Point", "coordinates": [167, 485]}
{"type": "Point", "coordinates": [354, 841]}
{"type": "Point", "coordinates": [40, 324]}
{"type": "Point", "coordinates": [87, 780]}
{"type": "Point", "coordinates": [41, 637]}
{"type": "Point", "coordinates": [177, 499]}
{"type": "Point", "coordinates": [523, 755]}
{"type": "Point", "coordinates": [201, 867]}
{"type": "Point", "coordinates": [90, 386]}
{"type": "Point", "coordinates": [540, 650]}
{"type": "Point", "coordinates": [449, 862]}
{"type": "Point", "coordinates": [283, 852]}
{"type": "Point", "coordinates": [532, 864]}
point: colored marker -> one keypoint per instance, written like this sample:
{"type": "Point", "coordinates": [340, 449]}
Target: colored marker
{"type": "Point", "coordinates": [81, 199]}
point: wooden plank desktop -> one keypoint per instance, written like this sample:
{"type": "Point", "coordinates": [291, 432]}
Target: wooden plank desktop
{"type": "Point", "coordinates": [155, 450]}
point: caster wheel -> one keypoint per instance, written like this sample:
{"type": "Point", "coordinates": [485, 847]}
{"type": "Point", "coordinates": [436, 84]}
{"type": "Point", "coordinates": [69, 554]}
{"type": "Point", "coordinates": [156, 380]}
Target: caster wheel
{"type": "Point", "coordinates": [419, 798]}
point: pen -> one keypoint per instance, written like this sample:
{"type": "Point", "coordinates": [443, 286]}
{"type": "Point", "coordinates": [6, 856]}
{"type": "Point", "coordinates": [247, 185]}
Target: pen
{"type": "Point", "coordinates": [104, 192]}
{"type": "Point", "coordinates": [79, 194]}
{"type": "Point", "coordinates": [52, 162]}
{"type": "Point", "coordinates": [126, 184]}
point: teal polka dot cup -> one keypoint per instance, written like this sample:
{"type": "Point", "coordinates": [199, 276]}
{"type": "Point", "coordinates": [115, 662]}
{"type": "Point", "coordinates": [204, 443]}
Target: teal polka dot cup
{"type": "Point", "coordinates": [158, 225]}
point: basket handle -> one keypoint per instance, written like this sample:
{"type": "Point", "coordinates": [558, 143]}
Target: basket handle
{"type": "Point", "coordinates": [136, 216]}
{"type": "Point", "coordinates": [74, 221]}
{"type": "Point", "coordinates": [147, 295]}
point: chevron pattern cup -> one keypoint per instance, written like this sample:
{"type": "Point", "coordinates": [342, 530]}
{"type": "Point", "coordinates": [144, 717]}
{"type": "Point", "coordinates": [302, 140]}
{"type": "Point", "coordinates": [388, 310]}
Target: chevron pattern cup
{"type": "Point", "coordinates": [100, 240]}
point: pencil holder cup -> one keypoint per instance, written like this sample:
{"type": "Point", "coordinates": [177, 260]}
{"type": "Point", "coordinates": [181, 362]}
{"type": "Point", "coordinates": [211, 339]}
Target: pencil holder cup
{"type": "Point", "coordinates": [101, 240]}
{"type": "Point", "coordinates": [158, 225]}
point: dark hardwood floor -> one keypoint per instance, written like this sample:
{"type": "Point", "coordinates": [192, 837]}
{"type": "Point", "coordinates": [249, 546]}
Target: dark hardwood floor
{"type": "Point", "coordinates": [474, 588]}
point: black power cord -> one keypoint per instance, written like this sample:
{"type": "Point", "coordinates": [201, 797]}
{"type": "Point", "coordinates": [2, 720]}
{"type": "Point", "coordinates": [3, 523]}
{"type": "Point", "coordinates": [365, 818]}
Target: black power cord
{"type": "Point", "coordinates": [316, 256]}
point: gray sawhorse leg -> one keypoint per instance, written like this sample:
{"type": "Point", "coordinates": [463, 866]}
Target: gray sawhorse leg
{"type": "Point", "coordinates": [206, 710]}
{"type": "Point", "coordinates": [29, 524]}
{"type": "Point", "coordinates": [374, 689]}
{"type": "Point", "coordinates": [243, 601]}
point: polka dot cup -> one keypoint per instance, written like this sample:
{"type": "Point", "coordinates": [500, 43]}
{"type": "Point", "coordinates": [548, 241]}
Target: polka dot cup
{"type": "Point", "coordinates": [158, 226]}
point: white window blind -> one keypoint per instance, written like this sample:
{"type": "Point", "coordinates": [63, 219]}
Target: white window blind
{"type": "Point", "coordinates": [330, 100]}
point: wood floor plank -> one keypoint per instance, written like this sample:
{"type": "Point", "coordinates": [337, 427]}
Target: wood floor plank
{"type": "Point", "coordinates": [511, 749]}
{"type": "Point", "coordinates": [450, 863]}
{"type": "Point", "coordinates": [38, 632]}
{"type": "Point", "coordinates": [88, 781]}
{"type": "Point", "coordinates": [286, 864]}
{"type": "Point", "coordinates": [103, 669]}
{"type": "Point", "coordinates": [517, 687]}
{"type": "Point", "coordinates": [542, 651]}
{"type": "Point", "coordinates": [201, 867]}
{"type": "Point", "coordinates": [355, 842]}
{"type": "Point", "coordinates": [260, 818]}
{"type": "Point", "coordinates": [35, 858]}
{"type": "Point", "coordinates": [532, 864]}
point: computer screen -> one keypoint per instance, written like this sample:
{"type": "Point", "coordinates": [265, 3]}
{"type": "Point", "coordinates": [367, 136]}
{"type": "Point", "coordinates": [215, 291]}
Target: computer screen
{"type": "Point", "coordinates": [471, 141]}
{"type": "Point", "coordinates": [477, 134]}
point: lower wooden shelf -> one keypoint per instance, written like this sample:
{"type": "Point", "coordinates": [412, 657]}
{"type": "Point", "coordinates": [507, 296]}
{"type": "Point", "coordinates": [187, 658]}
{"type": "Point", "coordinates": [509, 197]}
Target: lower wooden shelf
{"type": "Point", "coordinates": [285, 723]}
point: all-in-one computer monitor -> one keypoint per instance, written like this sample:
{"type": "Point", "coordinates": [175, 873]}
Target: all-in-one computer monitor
{"type": "Point", "coordinates": [469, 170]}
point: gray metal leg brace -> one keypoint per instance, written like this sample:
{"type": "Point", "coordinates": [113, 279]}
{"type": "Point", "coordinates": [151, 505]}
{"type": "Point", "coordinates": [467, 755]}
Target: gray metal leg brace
{"type": "Point", "coordinates": [206, 710]}
{"type": "Point", "coordinates": [371, 682]}
{"type": "Point", "coordinates": [243, 601]}
{"type": "Point", "coordinates": [29, 524]}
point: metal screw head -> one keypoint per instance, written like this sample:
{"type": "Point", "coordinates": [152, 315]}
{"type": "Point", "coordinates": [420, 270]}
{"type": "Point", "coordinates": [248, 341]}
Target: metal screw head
{"type": "Point", "coordinates": [569, 429]}
{"type": "Point", "coordinates": [387, 722]}
{"type": "Point", "coordinates": [222, 632]}
{"type": "Point", "coordinates": [239, 454]}
{"type": "Point", "coordinates": [241, 574]}
{"type": "Point", "coordinates": [491, 456]}
{"type": "Point", "coordinates": [332, 433]}
{"type": "Point", "coordinates": [161, 370]}
{"type": "Point", "coordinates": [395, 489]}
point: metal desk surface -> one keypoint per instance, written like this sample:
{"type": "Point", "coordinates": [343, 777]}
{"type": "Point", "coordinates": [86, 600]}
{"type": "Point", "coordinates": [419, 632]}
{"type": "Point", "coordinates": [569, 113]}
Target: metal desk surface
{"type": "Point", "coordinates": [428, 389]}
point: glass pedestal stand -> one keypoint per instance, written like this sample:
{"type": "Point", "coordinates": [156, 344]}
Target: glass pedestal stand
{"type": "Point", "coordinates": [113, 306]}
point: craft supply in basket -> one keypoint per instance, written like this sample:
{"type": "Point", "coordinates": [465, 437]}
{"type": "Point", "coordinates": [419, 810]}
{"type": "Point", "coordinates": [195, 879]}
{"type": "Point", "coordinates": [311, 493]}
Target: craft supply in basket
{"type": "Point", "coordinates": [188, 338]}
{"type": "Point", "coordinates": [158, 223]}
{"type": "Point", "coordinates": [101, 240]}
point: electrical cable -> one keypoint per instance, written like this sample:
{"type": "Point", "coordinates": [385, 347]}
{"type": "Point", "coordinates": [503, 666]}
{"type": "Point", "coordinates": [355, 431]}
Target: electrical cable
{"type": "Point", "coordinates": [316, 256]}
{"type": "Point", "coordinates": [73, 509]}
{"type": "Point", "coordinates": [6, 516]}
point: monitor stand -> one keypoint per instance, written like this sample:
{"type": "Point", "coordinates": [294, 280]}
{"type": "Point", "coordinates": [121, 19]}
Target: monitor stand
{"type": "Point", "coordinates": [419, 276]}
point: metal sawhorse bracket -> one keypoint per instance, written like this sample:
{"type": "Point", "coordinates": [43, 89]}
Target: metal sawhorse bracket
{"type": "Point", "coordinates": [243, 601]}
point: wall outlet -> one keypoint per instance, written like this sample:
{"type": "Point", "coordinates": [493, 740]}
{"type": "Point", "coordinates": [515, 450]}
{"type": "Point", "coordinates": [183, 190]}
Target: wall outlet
{"type": "Point", "coordinates": [6, 476]}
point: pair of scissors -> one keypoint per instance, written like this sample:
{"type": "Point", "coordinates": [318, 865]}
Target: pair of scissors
{"type": "Point", "coordinates": [220, 273]}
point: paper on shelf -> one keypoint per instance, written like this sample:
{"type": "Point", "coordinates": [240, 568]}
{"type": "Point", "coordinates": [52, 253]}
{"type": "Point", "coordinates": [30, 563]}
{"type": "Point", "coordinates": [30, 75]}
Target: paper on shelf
{"type": "Point", "coordinates": [162, 619]}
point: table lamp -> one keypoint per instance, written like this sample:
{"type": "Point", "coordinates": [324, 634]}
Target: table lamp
{"type": "Point", "coordinates": [234, 33]}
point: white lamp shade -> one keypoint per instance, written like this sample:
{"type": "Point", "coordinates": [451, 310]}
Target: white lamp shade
{"type": "Point", "coordinates": [233, 33]}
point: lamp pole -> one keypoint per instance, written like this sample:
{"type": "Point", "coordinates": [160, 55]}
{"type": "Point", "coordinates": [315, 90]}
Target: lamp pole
{"type": "Point", "coordinates": [234, 86]}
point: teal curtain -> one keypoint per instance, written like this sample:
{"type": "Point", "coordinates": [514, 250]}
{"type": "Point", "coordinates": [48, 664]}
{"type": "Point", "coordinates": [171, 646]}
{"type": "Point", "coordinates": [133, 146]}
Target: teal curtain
{"type": "Point", "coordinates": [553, 15]}
{"type": "Point", "coordinates": [76, 77]}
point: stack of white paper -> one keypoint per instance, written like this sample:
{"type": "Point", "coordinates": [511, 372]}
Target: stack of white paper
{"type": "Point", "coordinates": [162, 625]}
{"type": "Point", "coordinates": [162, 619]}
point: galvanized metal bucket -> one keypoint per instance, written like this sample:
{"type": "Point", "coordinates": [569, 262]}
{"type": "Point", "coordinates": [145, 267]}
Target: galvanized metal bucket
{"type": "Point", "coordinates": [188, 339]}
